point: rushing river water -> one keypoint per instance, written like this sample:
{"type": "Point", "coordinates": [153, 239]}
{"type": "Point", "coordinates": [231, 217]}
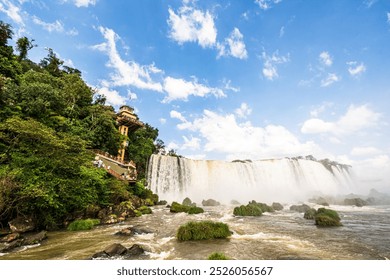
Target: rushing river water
{"type": "Point", "coordinates": [365, 235]}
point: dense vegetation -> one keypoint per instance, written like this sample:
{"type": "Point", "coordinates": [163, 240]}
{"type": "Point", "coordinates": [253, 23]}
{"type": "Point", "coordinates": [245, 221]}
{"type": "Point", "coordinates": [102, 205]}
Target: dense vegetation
{"type": "Point", "coordinates": [50, 119]}
{"type": "Point", "coordinates": [217, 256]}
{"type": "Point", "coordinates": [203, 230]}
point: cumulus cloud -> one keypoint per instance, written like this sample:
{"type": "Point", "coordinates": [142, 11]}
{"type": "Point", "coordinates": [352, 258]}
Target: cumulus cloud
{"type": "Point", "coordinates": [330, 79]}
{"type": "Point", "coordinates": [266, 4]}
{"type": "Point", "coordinates": [113, 97]}
{"type": "Point", "coordinates": [179, 89]}
{"type": "Point", "coordinates": [356, 69]}
{"type": "Point", "coordinates": [357, 118]}
{"type": "Point", "coordinates": [192, 25]}
{"type": "Point", "coordinates": [270, 70]}
{"type": "Point", "coordinates": [81, 3]}
{"type": "Point", "coordinates": [223, 134]}
{"type": "Point", "coordinates": [320, 109]}
{"type": "Point", "coordinates": [233, 46]}
{"type": "Point", "coordinates": [192, 143]}
{"type": "Point", "coordinates": [12, 11]}
{"type": "Point", "coordinates": [56, 26]}
{"type": "Point", "coordinates": [326, 59]}
{"type": "Point", "coordinates": [127, 73]}
{"type": "Point", "coordinates": [243, 111]}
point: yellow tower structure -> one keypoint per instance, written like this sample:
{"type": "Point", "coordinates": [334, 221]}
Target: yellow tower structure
{"type": "Point", "coordinates": [128, 122]}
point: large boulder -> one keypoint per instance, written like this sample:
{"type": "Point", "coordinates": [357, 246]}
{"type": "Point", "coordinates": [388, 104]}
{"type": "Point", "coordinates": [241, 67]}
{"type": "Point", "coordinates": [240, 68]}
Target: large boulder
{"type": "Point", "coordinates": [277, 206]}
{"type": "Point", "coordinates": [300, 208]}
{"type": "Point", "coordinates": [355, 202]}
{"type": "Point", "coordinates": [10, 237]}
{"type": "Point", "coordinates": [327, 217]}
{"type": "Point", "coordinates": [34, 238]}
{"type": "Point", "coordinates": [187, 202]}
{"type": "Point", "coordinates": [135, 250]}
{"type": "Point", "coordinates": [210, 202]}
{"type": "Point", "coordinates": [6, 247]}
{"type": "Point", "coordinates": [115, 249]}
{"type": "Point", "coordinates": [21, 224]}
{"type": "Point", "coordinates": [310, 214]}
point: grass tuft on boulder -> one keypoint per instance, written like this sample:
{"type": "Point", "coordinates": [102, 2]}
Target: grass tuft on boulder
{"type": "Point", "coordinates": [83, 224]}
{"type": "Point", "coordinates": [203, 230]}
{"type": "Point", "coordinates": [248, 210]}
{"type": "Point", "coordinates": [327, 217]}
{"type": "Point", "coordinates": [217, 256]}
{"type": "Point", "coordinates": [177, 208]}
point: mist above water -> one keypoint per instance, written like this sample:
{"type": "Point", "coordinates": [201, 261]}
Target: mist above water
{"type": "Point", "coordinates": [282, 180]}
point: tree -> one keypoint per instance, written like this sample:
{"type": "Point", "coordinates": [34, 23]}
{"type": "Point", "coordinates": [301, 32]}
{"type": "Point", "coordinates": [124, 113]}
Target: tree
{"type": "Point", "coordinates": [5, 33]}
{"type": "Point", "coordinates": [23, 45]}
{"type": "Point", "coordinates": [52, 63]}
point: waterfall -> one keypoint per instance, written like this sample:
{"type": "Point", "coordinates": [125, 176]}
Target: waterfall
{"type": "Point", "coordinates": [285, 180]}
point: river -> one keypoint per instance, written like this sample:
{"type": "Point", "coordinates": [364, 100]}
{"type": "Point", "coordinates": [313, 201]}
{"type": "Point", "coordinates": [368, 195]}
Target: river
{"type": "Point", "coordinates": [365, 235]}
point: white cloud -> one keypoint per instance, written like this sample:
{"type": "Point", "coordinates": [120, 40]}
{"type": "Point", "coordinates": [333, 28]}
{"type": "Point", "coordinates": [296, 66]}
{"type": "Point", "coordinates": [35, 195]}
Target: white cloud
{"type": "Point", "coordinates": [266, 4]}
{"type": "Point", "coordinates": [354, 120]}
{"type": "Point", "coordinates": [113, 97]}
{"type": "Point", "coordinates": [326, 59]}
{"type": "Point", "coordinates": [84, 3]}
{"type": "Point", "coordinates": [177, 115]}
{"type": "Point", "coordinates": [127, 73]}
{"type": "Point", "coordinates": [330, 79]}
{"type": "Point", "coordinates": [365, 151]}
{"type": "Point", "coordinates": [243, 111]}
{"type": "Point", "coordinates": [56, 26]}
{"type": "Point", "coordinates": [192, 25]}
{"type": "Point", "coordinates": [356, 69]}
{"type": "Point", "coordinates": [235, 45]}
{"type": "Point", "coordinates": [388, 17]}
{"type": "Point", "coordinates": [179, 89]}
{"type": "Point", "coordinates": [270, 70]}
{"type": "Point", "coordinates": [12, 11]}
{"type": "Point", "coordinates": [191, 144]}
{"type": "Point", "coordinates": [228, 86]}
{"type": "Point", "coordinates": [225, 135]}
{"type": "Point", "coordinates": [132, 95]}
{"type": "Point", "coordinates": [162, 121]}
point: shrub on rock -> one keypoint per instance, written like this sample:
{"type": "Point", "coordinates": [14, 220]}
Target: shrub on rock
{"type": "Point", "coordinates": [177, 208]}
{"type": "Point", "coordinates": [202, 231]}
{"type": "Point", "coordinates": [83, 224]}
{"type": "Point", "coordinates": [248, 210]}
{"type": "Point", "coordinates": [145, 210]}
{"type": "Point", "coordinates": [264, 207]}
{"type": "Point", "coordinates": [217, 256]}
{"type": "Point", "coordinates": [327, 217]}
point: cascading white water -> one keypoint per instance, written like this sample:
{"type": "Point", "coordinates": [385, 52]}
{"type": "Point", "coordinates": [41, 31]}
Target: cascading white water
{"type": "Point", "coordinates": [285, 180]}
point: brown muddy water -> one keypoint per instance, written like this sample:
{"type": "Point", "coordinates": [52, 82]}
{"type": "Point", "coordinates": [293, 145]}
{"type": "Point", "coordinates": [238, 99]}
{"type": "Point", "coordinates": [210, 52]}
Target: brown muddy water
{"type": "Point", "coordinates": [365, 235]}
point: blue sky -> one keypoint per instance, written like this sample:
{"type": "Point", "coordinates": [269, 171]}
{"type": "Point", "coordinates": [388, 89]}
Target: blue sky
{"type": "Point", "coordinates": [248, 79]}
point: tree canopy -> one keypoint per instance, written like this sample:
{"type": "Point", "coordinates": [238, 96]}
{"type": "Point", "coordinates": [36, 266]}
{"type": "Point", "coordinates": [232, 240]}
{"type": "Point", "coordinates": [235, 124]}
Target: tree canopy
{"type": "Point", "coordinates": [50, 120]}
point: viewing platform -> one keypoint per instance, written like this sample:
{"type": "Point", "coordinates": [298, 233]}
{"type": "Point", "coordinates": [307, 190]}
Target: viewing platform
{"type": "Point", "coordinates": [122, 170]}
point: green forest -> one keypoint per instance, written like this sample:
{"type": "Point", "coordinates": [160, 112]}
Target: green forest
{"type": "Point", "coordinates": [50, 120]}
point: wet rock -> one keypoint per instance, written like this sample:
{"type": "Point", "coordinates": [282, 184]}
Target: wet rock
{"type": "Point", "coordinates": [277, 206]}
{"type": "Point", "coordinates": [210, 202]}
{"type": "Point", "coordinates": [34, 238]}
{"type": "Point", "coordinates": [355, 202]}
{"type": "Point", "coordinates": [6, 247]}
{"type": "Point", "coordinates": [10, 237]}
{"type": "Point", "coordinates": [21, 225]}
{"type": "Point", "coordinates": [235, 202]}
{"type": "Point", "coordinates": [135, 250]}
{"type": "Point", "coordinates": [130, 231]}
{"type": "Point", "coordinates": [162, 202]}
{"type": "Point", "coordinates": [187, 202]}
{"type": "Point", "coordinates": [115, 249]}
{"type": "Point", "coordinates": [110, 219]}
{"type": "Point", "coordinates": [310, 214]}
{"type": "Point", "coordinates": [100, 255]}
{"type": "Point", "coordinates": [300, 208]}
